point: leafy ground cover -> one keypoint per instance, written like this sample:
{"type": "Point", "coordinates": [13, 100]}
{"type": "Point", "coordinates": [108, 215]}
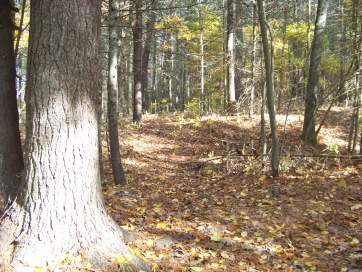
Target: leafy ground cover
{"type": "Point", "coordinates": [199, 198]}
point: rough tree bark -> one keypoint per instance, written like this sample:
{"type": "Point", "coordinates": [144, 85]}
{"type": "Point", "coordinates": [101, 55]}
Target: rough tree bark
{"type": "Point", "coordinates": [137, 63]}
{"type": "Point", "coordinates": [11, 157]}
{"type": "Point", "coordinates": [311, 100]}
{"type": "Point", "coordinates": [117, 168]}
{"type": "Point", "coordinates": [269, 90]}
{"type": "Point", "coordinates": [59, 207]}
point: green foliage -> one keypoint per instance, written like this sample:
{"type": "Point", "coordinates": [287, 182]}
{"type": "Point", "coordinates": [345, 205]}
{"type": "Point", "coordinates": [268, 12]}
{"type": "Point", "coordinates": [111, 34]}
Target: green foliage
{"type": "Point", "coordinates": [297, 34]}
{"type": "Point", "coordinates": [193, 106]}
{"type": "Point", "coordinates": [333, 148]}
{"type": "Point", "coordinates": [208, 170]}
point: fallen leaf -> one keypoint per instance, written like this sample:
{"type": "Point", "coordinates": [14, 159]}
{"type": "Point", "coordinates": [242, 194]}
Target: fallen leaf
{"type": "Point", "coordinates": [162, 225]}
{"type": "Point", "coordinates": [227, 255]}
{"type": "Point", "coordinates": [356, 207]}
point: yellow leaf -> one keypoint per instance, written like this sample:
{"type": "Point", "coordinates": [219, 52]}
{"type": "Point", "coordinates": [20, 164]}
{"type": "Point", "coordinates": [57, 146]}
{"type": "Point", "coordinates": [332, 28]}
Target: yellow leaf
{"type": "Point", "coordinates": [162, 225]}
{"type": "Point", "coordinates": [196, 268]}
{"type": "Point", "coordinates": [214, 265]}
{"type": "Point", "coordinates": [215, 238]}
{"type": "Point", "coordinates": [149, 242]}
{"type": "Point", "coordinates": [354, 241]}
{"type": "Point", "coordinates": [356, 207]}
{"type": "Point", "coordinates": [136, 251]}
{"type": "Point", "coordinates": [247, 169]}
{"type": "Point", "coordinates": [262, 178]}
{"type": "Point", "coordinates": [121, 259]}
{"type": "Point", "coordinates": [309, 264]}
{"type": "Point", "coordinates": [244, 234]}
{"type": "Point", "coordinates": [141, 210]}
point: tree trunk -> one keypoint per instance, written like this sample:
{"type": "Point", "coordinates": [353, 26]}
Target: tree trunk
{"type": "Point", "coordinates": [202, 61]}
{"type": "Point", "coordinates": [146, 54]}
{"type": "Point", "coordinates": [269, 90]}
{"type": "Point", "coordinates": [239, 37]}
{"type": "Point", "coordinates": [118, 173]}
{"type": "Point", "coordinates": [311, 100]}
{"type": "Point", "coordinates": [11, 157]}
{"type": "Point", "coordinates": [230, 24]}
{"type": "Point", "coordinates": [59, 207]}
{"type": "Point", "coordinates": [137, 63]}
{"type": "Point", "coordinates": [253, 64]}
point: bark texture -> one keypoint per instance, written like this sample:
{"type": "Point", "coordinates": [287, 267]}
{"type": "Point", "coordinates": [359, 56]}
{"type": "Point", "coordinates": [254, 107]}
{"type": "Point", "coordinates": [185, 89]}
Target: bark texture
{"type": "Point", "coordinates": [11, 157]}
{"type": "Point", "coordinates": [146, 53]}
{"type": "Point", "coordinates": [59, 206]}
{"type": "Point", "coordinates": [117, 168]}
{"type": "Point", "coordinates": [137, 63]}
{"type": "Point", "coordinates": [269, 90]}
{"type": "Point", "coordinates": [311, 100]}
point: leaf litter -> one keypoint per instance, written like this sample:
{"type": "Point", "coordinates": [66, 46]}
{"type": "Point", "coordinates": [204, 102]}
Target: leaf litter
{"type": "Point", "coordinates": [196, 203]}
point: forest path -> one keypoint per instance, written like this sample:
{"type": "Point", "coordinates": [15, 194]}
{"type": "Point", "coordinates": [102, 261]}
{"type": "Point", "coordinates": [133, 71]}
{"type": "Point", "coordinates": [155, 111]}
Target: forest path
{"type": "Point", "coordinates": [197, 205]}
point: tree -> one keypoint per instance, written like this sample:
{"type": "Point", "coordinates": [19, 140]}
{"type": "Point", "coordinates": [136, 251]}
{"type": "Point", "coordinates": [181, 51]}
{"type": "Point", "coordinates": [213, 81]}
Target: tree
{"type": "Point", "coordinates": [202, 60]}
{"type": "Point", "coordinates": [118, 173]}
{"type": "Point", "coordinates": [146, 52]}
{"type": "Point", "coordinates": [311, 100]}
{"type": "Point", "coordinates": [137, 63]}
{"type": "Point", "coordinates": [230, 54]}
{"type": "Point", "coordinates": [11, 156]}
{"type": "Point", "coordinates": [59, 206]}
{"type": "Point", "coordinates": [269, 89]}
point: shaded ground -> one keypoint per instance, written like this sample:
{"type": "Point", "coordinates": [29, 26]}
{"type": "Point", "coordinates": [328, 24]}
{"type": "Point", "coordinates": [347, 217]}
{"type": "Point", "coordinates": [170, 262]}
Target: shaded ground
{"type": "Point", "coordinates": [197, 201]}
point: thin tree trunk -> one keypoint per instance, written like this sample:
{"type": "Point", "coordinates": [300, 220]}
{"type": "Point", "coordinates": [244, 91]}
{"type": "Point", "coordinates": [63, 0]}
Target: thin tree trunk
{"type": "Point", "coordinates": [112, 86]}
{"type": "Point", "coordinates": [269, 90]}
{"type": "Point", "coordinates": [202, 61]}
{"type": "Point", "coordinates": [238, 50]}
{"type": "Point", "coordinates": [230, 24]}
{"type": "Point", "coordinates": [11, 156]}
{"type": "Point", "coordinates": [146, 53]}
{"type": "Point", "coordinates": [21, 29]}
{"type": "Point", "coordinates": [137, 63]}
{"type": "Point", "coordinates": [253, 64]}
{"type": "Point", "coordinates": [311, 100]}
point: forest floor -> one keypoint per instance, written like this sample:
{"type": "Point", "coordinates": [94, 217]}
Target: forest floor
{"type": "Point", "coordinates": [199, 198]}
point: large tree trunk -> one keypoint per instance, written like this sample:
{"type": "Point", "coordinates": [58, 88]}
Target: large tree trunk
{"type": "Point", "coordinates": [59, 207]}
{"type": "Point", "coordinates": [269, 90]}
{"type": "Point", "coordinates": [11, 157]}
{"type": "Point", "coordinates": [311, 100]}
{"type": "Point", "coordinates": [118, 173]}
{"type": "Point", "coordinates": [137, 63]}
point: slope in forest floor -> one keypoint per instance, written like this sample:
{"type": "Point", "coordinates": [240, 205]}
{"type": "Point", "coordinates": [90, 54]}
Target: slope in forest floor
{"type": "Point", "coordinates": [199, 197]}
